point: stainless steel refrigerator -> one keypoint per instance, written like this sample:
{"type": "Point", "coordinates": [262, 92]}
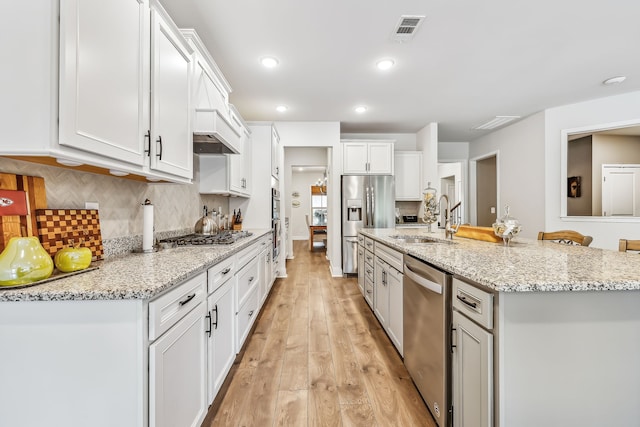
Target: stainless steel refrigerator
{"type": "Point", "coordinates": [368, 201]}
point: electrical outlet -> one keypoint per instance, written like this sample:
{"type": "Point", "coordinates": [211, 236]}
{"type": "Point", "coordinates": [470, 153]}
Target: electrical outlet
{"type": "Point", "coordinates": [91, 205]}
{"type": "Point", "coordinates": [493, 209]}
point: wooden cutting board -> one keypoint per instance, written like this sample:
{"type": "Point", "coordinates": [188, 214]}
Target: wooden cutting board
{"type": "Point", "coordinates": [36, 195]}
{"type": "Point", "coordinates": [56, 227]}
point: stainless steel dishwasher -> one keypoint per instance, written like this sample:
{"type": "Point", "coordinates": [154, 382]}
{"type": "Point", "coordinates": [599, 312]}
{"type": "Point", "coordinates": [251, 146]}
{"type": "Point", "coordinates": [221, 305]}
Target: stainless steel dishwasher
{"type": "Point", "coordinates": [427, 326]}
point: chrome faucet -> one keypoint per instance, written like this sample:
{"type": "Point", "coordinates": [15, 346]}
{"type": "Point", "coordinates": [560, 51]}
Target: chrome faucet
{"type": "Point", "coordinates": [449, 230]}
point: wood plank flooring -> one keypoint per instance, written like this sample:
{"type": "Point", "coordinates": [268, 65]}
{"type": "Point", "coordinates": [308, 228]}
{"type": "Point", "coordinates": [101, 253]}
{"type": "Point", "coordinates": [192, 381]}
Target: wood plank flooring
{"type": "Point", "coordinates": [317, 357]}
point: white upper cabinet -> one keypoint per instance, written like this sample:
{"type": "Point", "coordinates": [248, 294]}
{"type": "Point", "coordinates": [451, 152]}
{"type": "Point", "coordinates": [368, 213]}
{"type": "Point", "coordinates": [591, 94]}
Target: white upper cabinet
{"type": "Point", "coordinates": [116, 77]}
{"type": "Point", "coordinates": [171, 134]}
{"type": "Point", "coordinates": [104, 98]}
{"type": "Point", "coordinates": [360, 157]}
{"type": "Point", "coordinates": [408, 172]}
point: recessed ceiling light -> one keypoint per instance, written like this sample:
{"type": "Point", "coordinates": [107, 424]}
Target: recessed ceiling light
{"type": "Point", "coordinates": [269, 62]}
{"type": "Point", "coordinates": [614, 80]}
{"type": "Point", "coordinates": [281, 108]}
{"type": "Point", "coordinates": [385, 64]}
{"type": "Point", "coordinates": [360, 109]}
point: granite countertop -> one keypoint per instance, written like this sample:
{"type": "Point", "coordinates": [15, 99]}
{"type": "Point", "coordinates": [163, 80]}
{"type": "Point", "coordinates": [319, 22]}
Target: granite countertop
{"type": "Point", "coordinates": [132, 276]}
{"type": "Point", "coordinates": [525, 266]}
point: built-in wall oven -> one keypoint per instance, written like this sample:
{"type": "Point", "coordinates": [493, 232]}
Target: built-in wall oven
{"type": "Point", "coordinates": [275, 221]}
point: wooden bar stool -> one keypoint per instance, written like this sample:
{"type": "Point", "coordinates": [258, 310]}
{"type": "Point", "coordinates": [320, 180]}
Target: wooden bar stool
{"type": "Point", "coordinates": [568, 237]}
{"type": "Point", "coordinates": [629, 245]}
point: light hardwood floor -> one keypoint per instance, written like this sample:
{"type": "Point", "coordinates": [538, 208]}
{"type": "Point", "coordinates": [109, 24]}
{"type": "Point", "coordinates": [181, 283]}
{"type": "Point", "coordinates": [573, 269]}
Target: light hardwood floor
{"type": "Point", "coordinates": [318, 356]}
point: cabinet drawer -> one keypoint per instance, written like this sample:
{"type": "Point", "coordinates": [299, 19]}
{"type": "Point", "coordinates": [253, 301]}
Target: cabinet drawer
{"type": "Point", "coordinates": [368, 243]}
{"type": "Point", "coordinates": [220, 273]}
{"type": "Point", "coordinates": [368, 257]}
{"type": "Point", "coordinates": [473, 302]}
{"type": "Point", "coordinates": [245, 317]}
{"type": "Point", "coordinates": [368, 271]}
{"type": "Point", "coordinates": [390, 256]}
{"type": "Point", "coordinates": [247, 279]}
{"type": "Point", "coordinates": [368, 291]}
{"type": "Point", "coordinates": [166, 310]}
{"type": "Point", "coordinates": [360, 239]}
{"type": "Point", "coordinates": [247, 255]}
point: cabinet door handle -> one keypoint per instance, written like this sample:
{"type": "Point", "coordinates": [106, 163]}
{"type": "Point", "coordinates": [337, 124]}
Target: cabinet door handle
{"type": "Point", "coordinates": [226, 271]}
{"type": "Point", "coordinates": [147, 137]}
{"type": "Point", "coordinates": [208, 316]}
{"type": "Point", "coordinates": [452, 339]}
{"type": "Point", "coordinates": [159, 141]}
{"type": "Point", "coordinates": [187, 299]}
{"type": "Point", "coordinates": [215, 324]}
{"type": "Point", "coordinates": [384, 278]}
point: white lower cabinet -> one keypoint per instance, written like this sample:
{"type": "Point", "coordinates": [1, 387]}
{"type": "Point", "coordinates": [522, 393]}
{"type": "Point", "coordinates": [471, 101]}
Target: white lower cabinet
{"type": "Point", "coordinates": [472, 355]}
{"type": "Point", "coordinates": [395, 326]}
{"type": "Point", "coordinates": [381, 292]}
{"type": "Point", "coordinates": [177, 372]}
{"type": "Point", "coordinates": [245, 317]}
{"type": "Point", "coordinates": [220, 333]}
{"type": "Point", "coordinates": [387, 290]}
{"type": "Point", "coordinates": [361, 268]}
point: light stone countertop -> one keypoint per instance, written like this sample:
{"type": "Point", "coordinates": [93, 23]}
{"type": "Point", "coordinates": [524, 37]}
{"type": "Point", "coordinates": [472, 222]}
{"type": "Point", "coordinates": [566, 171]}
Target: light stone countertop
{"type": "Point", "coordinates": [132, 276]}
{"type": "Point", "coordinates": [525, 266]}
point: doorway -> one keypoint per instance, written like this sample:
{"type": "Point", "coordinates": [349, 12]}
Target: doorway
{"type": "Point", "coordinates": [486, 189]}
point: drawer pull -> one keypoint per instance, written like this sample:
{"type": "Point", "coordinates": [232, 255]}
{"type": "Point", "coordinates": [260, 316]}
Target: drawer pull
{"type": "Point", "coordinates": [251, 313]}
{"type": "Point", "coordinates": [251, 279]}
{"type": "Point", "coordinates": [465, 301]}
{"type": "Point", "coordinates": [187, 299]}
{"type": "Point", "coordinates": [226, 270]}
{"type": "Point", "coordinates": [368, 291]}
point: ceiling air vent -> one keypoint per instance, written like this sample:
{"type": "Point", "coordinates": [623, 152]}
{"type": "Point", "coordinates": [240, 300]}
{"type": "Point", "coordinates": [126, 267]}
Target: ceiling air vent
{"type": "Point", "coordinates": [406, 27]}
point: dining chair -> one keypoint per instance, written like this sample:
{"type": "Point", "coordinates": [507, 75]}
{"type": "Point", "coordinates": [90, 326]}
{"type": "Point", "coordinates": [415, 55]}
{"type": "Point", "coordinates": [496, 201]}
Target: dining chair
{"type": "Point", "coordinates": [313, 232]}
{"type": "Point", "coordinates": [568, 237]}
{"type": "Point", "coordinates": [629, 245]}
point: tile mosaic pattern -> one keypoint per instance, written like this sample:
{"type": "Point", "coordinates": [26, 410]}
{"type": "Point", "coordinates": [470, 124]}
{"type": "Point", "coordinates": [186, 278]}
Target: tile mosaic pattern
{"type": "Point", "coordinates": [177, 206]}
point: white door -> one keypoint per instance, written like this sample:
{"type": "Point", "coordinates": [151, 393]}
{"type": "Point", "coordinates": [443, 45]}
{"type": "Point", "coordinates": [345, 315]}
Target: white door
{"type": "Point", "coordinates": [177, 372]}
{"type": "Point", "coordinates": [620, 190]}
{"type": "Point", "coordinates": [472, 374]}
{"type": "Point", "coordinates": [104, 77]}
{"type": "Point", "coordinates": [220, 346]}
{"type": "Point", "coordinates": [171, 136]}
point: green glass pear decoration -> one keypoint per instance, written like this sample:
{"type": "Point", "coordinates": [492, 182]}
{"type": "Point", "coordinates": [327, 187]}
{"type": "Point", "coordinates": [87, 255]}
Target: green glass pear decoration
{"type": "Point", "coordinates": [23, 261]}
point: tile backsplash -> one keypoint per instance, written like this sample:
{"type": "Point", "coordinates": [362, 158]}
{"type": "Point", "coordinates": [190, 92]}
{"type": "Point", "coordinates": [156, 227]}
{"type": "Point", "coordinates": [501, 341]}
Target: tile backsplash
{"type": "Point", "coordinates": [177, 207]}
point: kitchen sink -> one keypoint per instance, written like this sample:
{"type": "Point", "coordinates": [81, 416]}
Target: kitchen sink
{"type": "Point", "coordinates": [413, 239]}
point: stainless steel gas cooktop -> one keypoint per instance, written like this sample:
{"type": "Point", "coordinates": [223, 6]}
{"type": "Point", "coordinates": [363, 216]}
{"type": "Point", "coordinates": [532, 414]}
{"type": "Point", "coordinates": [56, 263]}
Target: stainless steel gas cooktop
{"type": "Point", "coordinates": [222, 238]}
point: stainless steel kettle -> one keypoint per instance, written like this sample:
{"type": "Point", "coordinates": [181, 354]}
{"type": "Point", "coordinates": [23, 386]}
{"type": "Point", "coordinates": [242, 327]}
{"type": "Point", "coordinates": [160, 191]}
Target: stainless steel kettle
{"type": "Point", "coordinates": [205, 225]}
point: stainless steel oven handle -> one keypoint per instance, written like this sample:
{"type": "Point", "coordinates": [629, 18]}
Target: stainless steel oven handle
{"type": "Point", "coordinates": [428, 284]}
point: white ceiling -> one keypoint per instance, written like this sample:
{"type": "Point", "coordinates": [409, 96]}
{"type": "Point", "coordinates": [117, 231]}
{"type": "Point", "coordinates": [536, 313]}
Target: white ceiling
{"type": "Point", "coordinates": [469, 61]}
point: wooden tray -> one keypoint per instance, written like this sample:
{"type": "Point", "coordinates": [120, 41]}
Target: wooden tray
{"type": "Point", "coordinates": [478, 233]}
{"type": "Point", "coordinates": [36, 195]}
{"type": "Point", "coordinates": [57, 226]}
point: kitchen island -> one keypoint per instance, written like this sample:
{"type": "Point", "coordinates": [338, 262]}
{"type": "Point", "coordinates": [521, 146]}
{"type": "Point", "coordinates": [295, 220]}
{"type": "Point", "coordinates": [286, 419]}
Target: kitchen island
{"type": "Point", "coordinates": [130, 344]}
{"type": "Point", "coordinates": [566, 326]}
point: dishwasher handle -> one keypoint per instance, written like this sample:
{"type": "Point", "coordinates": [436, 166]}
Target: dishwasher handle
{"type": "Point", "coordinates": [425, 283]}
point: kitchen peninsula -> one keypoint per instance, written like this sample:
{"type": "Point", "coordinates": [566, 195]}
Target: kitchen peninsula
{"type": "Point", "coordinates": [145, 340]}
{"type": "Point", "coordinates": [566, 326]}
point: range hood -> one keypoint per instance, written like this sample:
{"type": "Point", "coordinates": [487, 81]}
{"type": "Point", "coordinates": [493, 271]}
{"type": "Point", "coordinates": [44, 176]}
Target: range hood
{"type": "Point", "coordinates": [214, 133]}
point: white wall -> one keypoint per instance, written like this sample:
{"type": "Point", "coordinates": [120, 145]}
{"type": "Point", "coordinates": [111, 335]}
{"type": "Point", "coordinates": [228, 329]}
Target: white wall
{"type": "Point", "coordinates": [427, 142]}
{"type": "Point", "coordinates": [521, 170]}
{"type": "Point", "coordinates": [453, 151]}
{"type": "Point", "coordinates": [320, 134]}
{"type": "Point", "coordinates": [596, 112]}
